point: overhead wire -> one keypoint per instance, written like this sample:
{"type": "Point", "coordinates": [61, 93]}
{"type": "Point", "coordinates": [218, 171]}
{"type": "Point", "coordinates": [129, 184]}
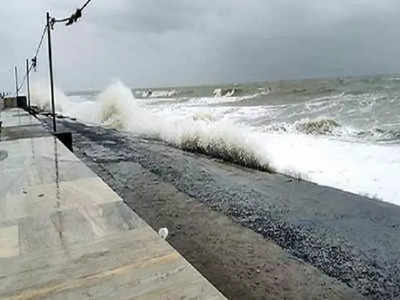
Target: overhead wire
{"type": "Point", "coordinates": [84, 5]}
{"type": "Point", "coordinates": [24, 79]}
{"type": "Point", "coordinates": [41, 41]}
{"type": "Point", "coordinates": [69, 20]}
{"type": "Point", "coordinates": [34, 59]}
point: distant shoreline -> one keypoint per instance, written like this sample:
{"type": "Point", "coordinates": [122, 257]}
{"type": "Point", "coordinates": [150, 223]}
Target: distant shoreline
{"type": "Point", "coordinates": [232, 84]}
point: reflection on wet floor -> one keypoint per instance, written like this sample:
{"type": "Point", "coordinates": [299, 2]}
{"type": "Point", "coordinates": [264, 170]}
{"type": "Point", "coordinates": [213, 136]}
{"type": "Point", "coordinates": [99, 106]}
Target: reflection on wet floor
{"type": "Point", "coordinates": [18, 124]}
{"type": "Point", "coordinates": [37, 187]}
{"type": "Point", "coordinates": [17, 117]}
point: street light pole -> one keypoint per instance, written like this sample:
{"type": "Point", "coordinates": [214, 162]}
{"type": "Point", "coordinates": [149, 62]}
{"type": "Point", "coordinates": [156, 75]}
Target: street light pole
{"type": "Point", "coordinates": [16, 83]}
{"type": "Point", "coordinates": [27, 83]}
{"type": "Point", "coordinates": [51, 71]}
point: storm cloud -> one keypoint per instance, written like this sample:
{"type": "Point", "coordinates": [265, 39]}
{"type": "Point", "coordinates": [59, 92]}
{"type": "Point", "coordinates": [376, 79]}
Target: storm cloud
{"type": "Point", "coordinates": [157, 42]}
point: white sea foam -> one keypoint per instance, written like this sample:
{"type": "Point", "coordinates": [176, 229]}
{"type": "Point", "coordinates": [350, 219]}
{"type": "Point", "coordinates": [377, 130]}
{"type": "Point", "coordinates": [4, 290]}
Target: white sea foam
{"type": "Point", "coordinates": [72, 106]}
{"type": "Point", "coordinates": [158, 93]}
{"type": "Point", "coordinates": [361, 168]}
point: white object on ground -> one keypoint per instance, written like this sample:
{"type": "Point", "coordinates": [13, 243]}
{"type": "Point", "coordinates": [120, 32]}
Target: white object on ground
{"type": "Point", "coordinates": [163, 232]}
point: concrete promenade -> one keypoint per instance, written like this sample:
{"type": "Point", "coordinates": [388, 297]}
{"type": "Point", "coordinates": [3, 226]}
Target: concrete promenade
{"type": "Point", "coordinates": [64, 234]}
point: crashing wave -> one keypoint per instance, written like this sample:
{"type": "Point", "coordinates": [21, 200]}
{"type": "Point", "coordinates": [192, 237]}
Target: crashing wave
{"type": "Point", "coordinates": [380, 135]}
{"type": "Point", "coordinates": [264, 91]}
{"type": "Point", "coordinates": [204, 116]}
{"type": "Point", "coordinates": [321, 126]}
{"type": "Point", "coordinates": [217, 93]}
{"type": "Point", "coordinates": [226, 92]}
{"type": "Point", "coordinates": [219, 148]}
{"type": "Point", "coordinates": [67, 106]}
{"type": "Point", "coordinates": [331, 162]}
{"type": "Point", "coordinates": [163, 94]}
{"type": "Point", "coordinates": [149, 93]}
{"type": "Point", "coordinates": [330, 127]}
{"type": "Point", "coordinates": [202, 133]}
{"type": "Point", "coordinates": [307, 126]}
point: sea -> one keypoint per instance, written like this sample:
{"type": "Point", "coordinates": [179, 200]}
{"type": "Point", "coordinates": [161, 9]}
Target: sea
{"type": "Point", "coordinates": [339, 132]}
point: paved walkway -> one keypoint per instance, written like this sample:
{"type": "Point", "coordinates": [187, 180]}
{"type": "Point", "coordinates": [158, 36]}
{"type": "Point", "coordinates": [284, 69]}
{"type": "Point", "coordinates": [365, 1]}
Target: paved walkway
{"type": "Point", "coordinates": [64, 234]}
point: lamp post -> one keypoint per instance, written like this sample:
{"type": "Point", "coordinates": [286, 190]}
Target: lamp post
{"type": "Point", "coordinates": [51, 71]}
{"type": "Point", "coordinates": [27, 83]}
{"type": "Point", "coordinates": [16, 83]}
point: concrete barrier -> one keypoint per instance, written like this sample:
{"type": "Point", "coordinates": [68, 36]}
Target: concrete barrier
{"type": "Point", "coordinates": [65, 138]}
{"type": "Point", "coordinates": [22, 102]}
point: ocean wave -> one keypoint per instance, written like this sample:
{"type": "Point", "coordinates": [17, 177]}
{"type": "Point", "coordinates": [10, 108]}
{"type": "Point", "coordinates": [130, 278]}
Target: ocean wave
{"type": "Point", "coordinates": [354, 167]}
{"type": "Point", "coordinates": [219, 100]}
{"type": "Point", "coordinates": [149, 93]}
{"type": "Point", "coordinates": [219, 147]}
{"type": "Point", "coordinates": [320, 126]}
{"type": "Point", "coordinates": [204, 116]}
{"type": "Point", "coordinates": [264, 91]}
{"type": "Point", "coordinates": [230, 92]}
{"type": "Point", "coordinates": [84, 109]}
{"type": "Point", "coordinates": [299, 91]}
{"type": "Point", "coordinates": [356, 92]}
{"type": "Point", "coordinates": [327, 90]}
{"type": "Point", "coordinates": [381, 135]}
{"type": "Point", "coordinates": [201, 133]}
{"type": "Point", "coordinates": [331, 127]}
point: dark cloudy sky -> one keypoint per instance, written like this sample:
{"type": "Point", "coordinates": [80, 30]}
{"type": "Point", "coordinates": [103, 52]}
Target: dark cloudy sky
{"type": "Point", "coordinates": [181, 42]}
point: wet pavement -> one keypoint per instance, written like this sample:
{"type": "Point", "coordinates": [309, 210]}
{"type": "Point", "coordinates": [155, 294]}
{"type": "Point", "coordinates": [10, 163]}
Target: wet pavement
{"type": "Point", "coordinates": [19, 124]}
{"type": "Point", "coordinates": [64, 234]}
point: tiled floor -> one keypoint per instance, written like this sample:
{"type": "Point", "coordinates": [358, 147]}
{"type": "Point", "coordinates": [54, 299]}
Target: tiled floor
{"type": "Point", "coordinates": [17, 117]}
{"type": "Point", "coordinates": [64, 234]}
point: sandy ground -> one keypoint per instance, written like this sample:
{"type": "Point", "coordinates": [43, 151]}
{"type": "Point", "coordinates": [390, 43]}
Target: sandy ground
{"type": "Point", "coordinates": [253, 235]}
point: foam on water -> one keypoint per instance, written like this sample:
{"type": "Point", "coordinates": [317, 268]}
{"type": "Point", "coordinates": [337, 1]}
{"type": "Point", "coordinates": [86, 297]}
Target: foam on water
{"type": "Point", "coordinates": [75, 106]}
{"type": "Point", "coordinates": [159, 93]}
{"type": "Point", "coordinates": [362, 168]}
